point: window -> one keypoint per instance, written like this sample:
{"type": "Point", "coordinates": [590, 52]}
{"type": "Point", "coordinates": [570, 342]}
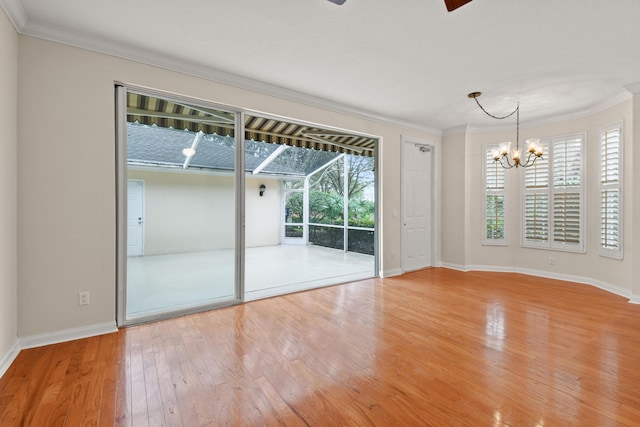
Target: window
{"type": "Point", "coordinates": [493, 199]}
{"type": "Point", "coordinates": [611, 191]}
{"type": "Point", "coordinates": [553, 196]}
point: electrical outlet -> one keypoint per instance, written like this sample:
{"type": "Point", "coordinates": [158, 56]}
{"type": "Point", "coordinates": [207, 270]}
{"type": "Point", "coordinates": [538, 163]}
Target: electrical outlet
{"type": "Point", "coordinates": [83, 298]}
{"type": "Point", "coordinates": [552, 261]}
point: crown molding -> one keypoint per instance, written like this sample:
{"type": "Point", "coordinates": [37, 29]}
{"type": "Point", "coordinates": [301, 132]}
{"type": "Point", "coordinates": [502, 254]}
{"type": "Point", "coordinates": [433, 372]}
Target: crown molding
{"type": "Point", "coordinates": [624, 95]}
{"type": "Point", "coordinates": [28, 27]}
{"type": "Point", "coordinates": [131, 53]}
{"type": "Point", "coordinates": [633, 87]}
{"type": "Point", "coordinates": [15, 12]}
{"type": "Point", "coordinates": [456, 130]}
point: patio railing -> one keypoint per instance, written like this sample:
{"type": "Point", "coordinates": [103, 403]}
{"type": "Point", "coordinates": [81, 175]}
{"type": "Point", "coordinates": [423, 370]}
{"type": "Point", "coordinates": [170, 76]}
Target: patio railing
{"type": "Point", "coordinates": [360, 239]}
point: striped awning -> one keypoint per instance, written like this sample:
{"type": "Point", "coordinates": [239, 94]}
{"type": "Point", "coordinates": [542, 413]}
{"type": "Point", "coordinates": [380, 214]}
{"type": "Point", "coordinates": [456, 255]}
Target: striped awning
{"type": "Point", "coordinates": [150, 110]}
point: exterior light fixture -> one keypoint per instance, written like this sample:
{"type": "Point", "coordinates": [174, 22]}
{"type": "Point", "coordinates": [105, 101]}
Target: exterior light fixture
{"type": "Point", "coordinates": [532, 153]}
{"type": "Point", "coordinates": [262, 188]}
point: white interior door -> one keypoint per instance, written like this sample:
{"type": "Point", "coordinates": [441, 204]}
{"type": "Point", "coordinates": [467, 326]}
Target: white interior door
{"type": "Point", "coordinates": [135, 217]}
{"type": "Point", "coordinates": [417, 216]}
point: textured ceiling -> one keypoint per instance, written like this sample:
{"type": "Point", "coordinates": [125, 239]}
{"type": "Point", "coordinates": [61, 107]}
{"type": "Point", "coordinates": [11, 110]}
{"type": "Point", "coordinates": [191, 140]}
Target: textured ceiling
{"type": "Point", "coordinates": [407, 60]}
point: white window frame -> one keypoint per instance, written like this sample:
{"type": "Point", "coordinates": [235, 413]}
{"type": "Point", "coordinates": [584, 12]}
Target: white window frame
{"type": "Point", "coordinates": [616, 186]}
{"type": "Point", "coordinates": [487, 163]}
{"type": "Point", "coordinates": [550, 191]}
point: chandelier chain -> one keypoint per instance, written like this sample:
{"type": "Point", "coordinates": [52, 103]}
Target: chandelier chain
{"type": "Point", "coordinates": [501, 155]}
{"type": "Point", "coordinates": [497, 117]}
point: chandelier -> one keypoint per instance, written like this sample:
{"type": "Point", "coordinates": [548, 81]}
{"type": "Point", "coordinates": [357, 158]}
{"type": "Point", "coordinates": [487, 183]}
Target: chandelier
{"type": "Point", "coordinates": [533, 150]}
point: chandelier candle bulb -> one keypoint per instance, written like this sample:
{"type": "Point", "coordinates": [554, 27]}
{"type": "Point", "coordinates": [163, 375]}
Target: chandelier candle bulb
{"type": "Point", "coordinates": [533, 146]}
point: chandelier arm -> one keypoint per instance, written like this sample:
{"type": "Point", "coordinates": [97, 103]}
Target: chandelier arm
{"type": "Point", "coordinates": [509, 165]}
{"type": "Point", "coordinates": [496, 117]}
{"type": "Point", "coordinates": [529, 162]}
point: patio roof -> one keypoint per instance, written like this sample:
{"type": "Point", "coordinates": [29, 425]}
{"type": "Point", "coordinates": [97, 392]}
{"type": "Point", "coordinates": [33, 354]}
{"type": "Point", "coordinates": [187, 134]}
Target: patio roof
{"type": "Point", "coordinates": [156, 146]}
{"type": "Point", "coordinates": [149, 110]}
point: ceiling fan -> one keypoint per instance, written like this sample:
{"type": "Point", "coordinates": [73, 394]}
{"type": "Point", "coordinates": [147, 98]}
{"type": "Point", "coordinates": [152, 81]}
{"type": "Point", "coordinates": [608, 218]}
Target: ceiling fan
{"type": "Point", "coordinates": [454, 4]}
{"type": "Point", "coordinates": [451, 4]}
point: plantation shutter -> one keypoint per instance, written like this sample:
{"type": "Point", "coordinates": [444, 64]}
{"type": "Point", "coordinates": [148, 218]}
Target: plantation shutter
{"type": "Point", "coordinates": [553, 196]}
{"type": "Point", "coordinates": [567, 191]}
{"type": "Point", "coordinates": [536, 201]}
{"type": "Point", "coordinates": [536, 208]}
{"type": "Point", "coordinates": [494, 197]}
{"type": "Point", "coordinates": [611, 191]}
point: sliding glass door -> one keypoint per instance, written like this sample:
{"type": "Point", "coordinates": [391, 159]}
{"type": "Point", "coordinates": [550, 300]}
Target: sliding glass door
{"type": "Point", "coordinates": [310, 206]}
{"type": "Point", "coordinates": [178, 166]}
{"type": "Point", "coordinates": [217, 206]}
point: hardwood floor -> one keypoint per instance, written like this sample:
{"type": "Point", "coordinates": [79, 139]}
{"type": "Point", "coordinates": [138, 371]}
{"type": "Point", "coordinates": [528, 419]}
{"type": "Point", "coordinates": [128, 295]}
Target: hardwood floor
{"type": "Point", "coordinates": [431, 348]}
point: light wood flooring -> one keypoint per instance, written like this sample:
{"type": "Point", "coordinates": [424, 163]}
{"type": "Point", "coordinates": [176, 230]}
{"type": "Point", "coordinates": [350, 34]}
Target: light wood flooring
{"type": "Point", "coordinates": [430, 348]}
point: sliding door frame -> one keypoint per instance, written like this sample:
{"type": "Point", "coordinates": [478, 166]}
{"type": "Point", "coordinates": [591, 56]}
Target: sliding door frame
{"type": "Point", "coordinates": [121, 204]}
{"type": "Point", "coordinates": [121, 90]}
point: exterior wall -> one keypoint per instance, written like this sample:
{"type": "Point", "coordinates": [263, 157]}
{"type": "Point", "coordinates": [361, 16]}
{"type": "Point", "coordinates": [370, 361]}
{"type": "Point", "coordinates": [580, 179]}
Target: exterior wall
{"type": "Point", "coordinates": [66, 174]}
{"type": "Point", "coordinates": [262, 214]}
{"type": "Point", "coordinates": [8, 186]}
{"type": "Point", "coordinates": [187, 212]}
{"type": "Point", "coordinates": [615, 275]}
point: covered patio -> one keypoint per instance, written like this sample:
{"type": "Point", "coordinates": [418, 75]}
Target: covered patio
{"type": "Point", "coordinates": [309, 206]}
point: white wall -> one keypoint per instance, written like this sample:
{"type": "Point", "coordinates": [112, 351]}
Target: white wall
{"type": "Point", "coordinates": [453, 208]}
{"type": "Point", "coordinates": [608, 273]}
{"type": "Point", "coordinates": [8, 186]}
{"type": "Point", "coordinates": [66, 174]}
{"type": "Point", "coordinates": [633, 186]}
{"type": "Point", "coordinates": [188, 212]}
{"type": "Point", "coordinates": [262, 214]}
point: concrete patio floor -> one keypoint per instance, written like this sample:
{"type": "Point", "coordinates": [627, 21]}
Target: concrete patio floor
{"type": "Point", "coordinates": [162, 283]}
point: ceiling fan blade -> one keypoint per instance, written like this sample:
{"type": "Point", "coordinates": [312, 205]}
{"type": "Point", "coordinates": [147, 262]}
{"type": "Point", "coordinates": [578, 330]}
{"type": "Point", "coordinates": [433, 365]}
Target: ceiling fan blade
{"type": "Point", "coordinates": [337, 1]}
{"type": "Point", "coordinates": [453, 4]}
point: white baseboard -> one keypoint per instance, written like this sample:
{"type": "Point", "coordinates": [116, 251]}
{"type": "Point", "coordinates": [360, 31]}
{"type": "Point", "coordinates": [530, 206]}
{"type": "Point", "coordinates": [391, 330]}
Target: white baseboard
{"type": "Point", "coordinates": [67, 335]}
{"type": "Point", "coordinates": [391, 273]}
{"type": "Point", "coordinates": [578, 279]}
{"type": "Point", "coordinates": [453, 266]}
{"type": "Point", "coordinates": [9, 357]}
{"type": "Point", "coordinates": [550, 275]}
{"type": "Point", "coordinates": [53, 338]}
